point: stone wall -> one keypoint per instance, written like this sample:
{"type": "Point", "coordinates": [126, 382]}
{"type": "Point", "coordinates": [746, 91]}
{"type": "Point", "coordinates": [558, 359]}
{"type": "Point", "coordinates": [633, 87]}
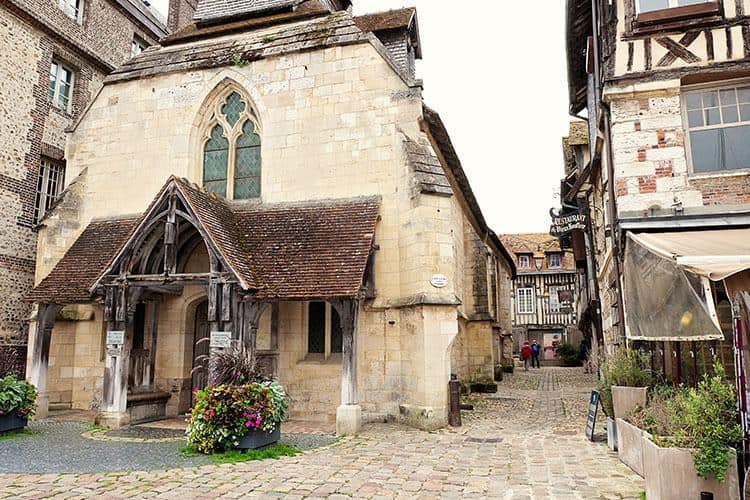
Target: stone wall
{"type": "Point", "coordinates": [651, 167]}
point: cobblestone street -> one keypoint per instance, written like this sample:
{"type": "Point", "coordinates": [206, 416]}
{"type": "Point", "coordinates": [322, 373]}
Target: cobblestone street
{"type": "Point", "coordinates": [525, 442]}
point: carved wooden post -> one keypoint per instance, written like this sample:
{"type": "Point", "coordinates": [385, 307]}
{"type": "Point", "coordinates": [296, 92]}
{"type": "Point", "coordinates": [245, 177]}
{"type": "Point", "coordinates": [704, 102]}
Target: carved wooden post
{"type": "Point", "coordinates": [251, 313]}
{"type": "Point", "coordinates": [349, 414]}
{"type": "Point", "coordinates": [37, 375]}
{"type": "Point", "coordinates": [119, 307]}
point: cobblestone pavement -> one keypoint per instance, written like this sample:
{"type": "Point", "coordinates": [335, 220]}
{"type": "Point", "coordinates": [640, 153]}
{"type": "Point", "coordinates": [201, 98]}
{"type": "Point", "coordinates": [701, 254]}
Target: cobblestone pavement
{"type": "Point", "coordinates": [525, 442]}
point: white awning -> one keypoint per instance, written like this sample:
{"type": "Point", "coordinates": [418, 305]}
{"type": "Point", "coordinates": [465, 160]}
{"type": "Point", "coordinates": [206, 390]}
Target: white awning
{"type": "Point", "coordinates": [713, 254]}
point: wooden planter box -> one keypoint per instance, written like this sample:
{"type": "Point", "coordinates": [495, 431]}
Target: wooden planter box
{"type": "Point", "coordinates": [12, 422]}
{"type": "Point", "coordinates": [630, 445]}
{"type": "Point", "coordinates": [627, 399]}
{"type": "Point", "coordinates": [671, 475]}
{"type": "Point", "coordinates": [255, 440]}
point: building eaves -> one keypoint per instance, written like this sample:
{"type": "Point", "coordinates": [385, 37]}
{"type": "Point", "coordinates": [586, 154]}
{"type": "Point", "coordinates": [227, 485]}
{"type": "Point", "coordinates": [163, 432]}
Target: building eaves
{"type": "Point", "coordinates": [435, 129]}
{"type": "Point", "coordinates": [210, 11]}
{"type": "Point", "coordinates": [579, 27]}
{"type": "Point", "coordinates": [405, 19]}
{"type": "Point", "coordinates": [145, 16]}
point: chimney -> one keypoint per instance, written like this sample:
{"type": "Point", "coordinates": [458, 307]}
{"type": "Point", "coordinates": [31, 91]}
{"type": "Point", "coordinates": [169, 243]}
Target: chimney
{"type": "Point", "coordinates": [180, 14]}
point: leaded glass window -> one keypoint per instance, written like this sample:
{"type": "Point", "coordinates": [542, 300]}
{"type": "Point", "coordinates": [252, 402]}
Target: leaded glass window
{"type": "Point", "coordinates": [316, 328]}
{"type": "Point", "coordinates": [215, 162]}
{"type": "Point", "coordinates": [247, 164]}
{"type": "Point", "coordinates": [232, 155]}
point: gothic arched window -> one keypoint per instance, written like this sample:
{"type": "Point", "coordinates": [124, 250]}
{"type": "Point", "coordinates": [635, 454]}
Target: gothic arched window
{"type": "Point", "coordinates": [231, 152]}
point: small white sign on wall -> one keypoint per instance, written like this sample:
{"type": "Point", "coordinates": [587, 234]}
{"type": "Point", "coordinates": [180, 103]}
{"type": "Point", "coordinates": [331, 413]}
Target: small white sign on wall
{"type": "Point", "coordinates": [221, 340]}
{"type": "Point", "coordinates": [439, 281]}
{"type": "Point", "coordinates": [115, 337]}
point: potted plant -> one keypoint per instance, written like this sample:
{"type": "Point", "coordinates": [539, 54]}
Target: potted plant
{"type": "Point", "coordinates": [240, 409]}
{"type": "Point", "coordinates": [17, 403]}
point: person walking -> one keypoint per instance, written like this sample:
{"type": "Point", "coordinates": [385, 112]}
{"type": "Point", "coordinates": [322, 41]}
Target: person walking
{"type": "Point", "coordinates": [536, 349]}
{"type": "Point", "coordinates": [526, 354]}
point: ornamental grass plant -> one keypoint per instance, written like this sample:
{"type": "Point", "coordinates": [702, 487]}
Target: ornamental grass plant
{"type": "Point", "coordinates": [623, 369]}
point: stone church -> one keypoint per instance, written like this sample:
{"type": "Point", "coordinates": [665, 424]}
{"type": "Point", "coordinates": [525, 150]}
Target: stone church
{"type": "Point", "coordinates": [269, 173]}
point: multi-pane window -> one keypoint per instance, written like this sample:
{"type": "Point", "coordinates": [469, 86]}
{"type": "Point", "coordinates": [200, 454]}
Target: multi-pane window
{"type": "Point", "coordinates": [718, 123]}
{"type": "Point", "coordinates": [137, 46]}
{"type": "Point", "coordinates": [324, 334]}
{"type": "Point", "coordinates": [60, 88]}
{"type": "Point", "coordinates": [231, 154]}
{"type": "Point", "coordinates": [49, 184]}
{"type": "Point", "coordinates": [555, 260]}
{"type": "Point", "coordinates": [524, 261]}
{"type": "Point", "coordinates": [72, 8]}
{"type": "Point", "coordinates": [525, 300]}
{"type": "Point", "coordinates": [651, 5]}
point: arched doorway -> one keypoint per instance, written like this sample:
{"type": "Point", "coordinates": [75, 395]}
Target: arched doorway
{"type": "Point", "coordinates": [201, 346]}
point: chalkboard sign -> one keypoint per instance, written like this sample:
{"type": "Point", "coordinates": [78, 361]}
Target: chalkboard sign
{"type": "Point", "coordinates": [593, 408]}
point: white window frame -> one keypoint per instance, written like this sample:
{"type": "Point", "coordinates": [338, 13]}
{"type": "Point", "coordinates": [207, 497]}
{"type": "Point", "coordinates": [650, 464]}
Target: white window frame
{"type": "Point", "coordinates": [50, 184]}
{"type": "Point", "coordinates": [55, 100]}
{"type": "Point", "coordinates": [558, 256]}
{"type": "Point", "coordinates": [525, 300]}
{"type": "Point", "coordinates": [691, 89]}
{"type": "Point", "coordinates": [137, 46]}
{"type": "Point", "coordinates": [72, 8]}
{"type": "Point", "coordinates": [327, 354]}
{"type": "Point", "coordinates": [524, 261]}
{"type": "Point", "coordinates": [672, 4]}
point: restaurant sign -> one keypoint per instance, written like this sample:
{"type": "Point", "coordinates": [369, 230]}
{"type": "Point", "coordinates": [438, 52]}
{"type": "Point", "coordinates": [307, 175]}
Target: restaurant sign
{"type": "Point", "coordinates": [563, 225]}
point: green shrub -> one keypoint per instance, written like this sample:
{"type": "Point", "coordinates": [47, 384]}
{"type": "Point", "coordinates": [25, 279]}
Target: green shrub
{"type": "Point", "coordinates": [623, 369]}
{"type": "Point", "coordinates": [17, 396]}
{"type": "Point", "coordinates": [224, 414]}
{"type": "Point", "coordinates": [567, 354]}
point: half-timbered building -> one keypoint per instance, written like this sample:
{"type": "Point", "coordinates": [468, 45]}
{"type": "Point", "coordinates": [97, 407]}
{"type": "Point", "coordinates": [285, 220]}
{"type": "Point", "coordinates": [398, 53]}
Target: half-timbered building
{"type": "Point", "coordinates": [270, 176]}
{"type": "Point", "coordinates": [663, 179]}
{"type": "Point", "coordinates": [544, 292]}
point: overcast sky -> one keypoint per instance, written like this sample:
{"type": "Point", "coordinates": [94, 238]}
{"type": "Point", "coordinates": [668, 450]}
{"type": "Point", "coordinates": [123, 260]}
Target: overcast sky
{"type": "Point", "coordinates": [500, 87]}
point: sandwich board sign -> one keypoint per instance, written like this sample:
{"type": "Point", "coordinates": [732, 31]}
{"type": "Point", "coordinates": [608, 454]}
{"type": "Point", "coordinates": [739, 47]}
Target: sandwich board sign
{"type": "Point", "coordinates": [591, 420]}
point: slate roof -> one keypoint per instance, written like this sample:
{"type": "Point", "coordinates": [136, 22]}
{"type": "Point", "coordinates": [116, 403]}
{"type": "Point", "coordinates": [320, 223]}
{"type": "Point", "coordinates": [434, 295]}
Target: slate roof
{"type": "Point", "coordinates": [428, 171]}
{"type": "Point", "coordinates": [434, 126]}
{"type": "Point", "coordinates": [214, 10]}
{"type": "Point", "coordinates": [288, 252]}
{"type": "Point", "coordinates": [81, 265]}
{"type": "Point", "coordinates": [332, 30]}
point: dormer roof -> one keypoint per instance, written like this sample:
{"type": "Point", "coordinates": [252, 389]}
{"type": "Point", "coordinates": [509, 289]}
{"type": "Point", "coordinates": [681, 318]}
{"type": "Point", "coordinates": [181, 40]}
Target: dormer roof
{"type": "Point", "coordinates": [400, 19]}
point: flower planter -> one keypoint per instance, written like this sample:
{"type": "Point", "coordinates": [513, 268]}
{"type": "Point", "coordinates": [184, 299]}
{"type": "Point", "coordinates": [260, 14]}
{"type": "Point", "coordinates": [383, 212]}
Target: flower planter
{"type": "Point", "coordinates": [611, 434]}
{"type": "Point", "coordinates": [12, 422]}
{"type": "Point", "coordinates": [671, 475]}
{"type": "Point", "coordinates": [483, 388]}
{"type": "Point", "coordinates": [626, 399]}
{"type": "Point", "coordinates": [255, 440]}
{"type": "Point", "coordinates": [630, 445]}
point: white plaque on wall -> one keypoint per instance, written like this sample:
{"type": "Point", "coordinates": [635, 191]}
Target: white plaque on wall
{"type": "Point", "coordinates": [439, 281]}
{"type": "Point", "coordinates": [115, 337]}
{"type": "Point", "coordinates": [221, 340]}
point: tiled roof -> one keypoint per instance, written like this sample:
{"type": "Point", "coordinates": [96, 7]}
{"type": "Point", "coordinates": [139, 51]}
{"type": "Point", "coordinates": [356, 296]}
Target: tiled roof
{"type": "Point", "coordinates": [428, 171]}
{"type": "Point", "coordinates": [318, 251]}
{"type": "Point", "coordinates": [313, 251]}
{"type": "Point", "coordinates": [332, 30]}
{"type": "Point", "coordinates": [529, 243]}
{"type": "Point", "coordinates": [392, 19]}
{"type": "Point", "coordinates": [81, 265]}
{"type": "Point", "coordinates": [213, 10]}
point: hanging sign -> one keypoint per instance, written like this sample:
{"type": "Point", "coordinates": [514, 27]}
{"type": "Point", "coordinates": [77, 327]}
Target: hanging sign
{"type": "Point", "coordinates": [591, 421]}
{"type": "Point", "coordinates": [115, 337]}
{"type": "Point", "coordinates": [563, 225]}
{"type": "Point", "coordinates": [439, 281]}
{"type": "Point", "coordinates": [221, 340]}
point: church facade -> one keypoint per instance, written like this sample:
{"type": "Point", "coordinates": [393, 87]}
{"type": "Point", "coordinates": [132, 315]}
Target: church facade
{"type": "Point", "coordinates": [269, 174]}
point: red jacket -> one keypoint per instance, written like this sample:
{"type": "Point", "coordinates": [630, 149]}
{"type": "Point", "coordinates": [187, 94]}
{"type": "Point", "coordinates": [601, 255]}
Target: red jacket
{"type": "Point", "coordinates": [526, 352]}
